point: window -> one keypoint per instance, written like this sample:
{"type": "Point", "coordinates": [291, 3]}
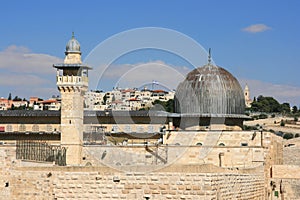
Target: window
{"type": "Point", "coordinates": [35, 128]}
{"type": "Point", "coordinates": [127, 129]}
{"type": "Point", "coordinates": [49, 128]}
{"type": "Point", "coordinates": [114, 129]}
{"type": "Point", "coordinates": [9, 128]}
{"type": "Point", "coordinates": [22, 128]}
{"type": "Point", "coordinates": [140, 129]}
{"type": "Point", "coordinates": [244, 144]}
{"type": "Point", "coordinates": [150, 129]}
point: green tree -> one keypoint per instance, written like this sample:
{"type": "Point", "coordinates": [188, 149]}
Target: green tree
{"type": "Point", "coordinates": [285, 108]}
{"type": "Point", "coordinates": [167, 105]}
{"type": "Point", "coordinates": [9, 96]}
{"type": "Point", "coordinates": [294, 109]}
{"type": "Point", "coordinates": [104, 99]}
{"type": "Point", "coordinates": [263, 116]}
{"type": "Point", "coordinates": [17, 98]}
{"type": "Point", "coordinates": [170, 105]}
{"type": "Point", "coordinates": [288, 136]}
{"type": "Point", "coordinates": [265, 104]}
{"type": "Point", "coordinates": [295, 118]}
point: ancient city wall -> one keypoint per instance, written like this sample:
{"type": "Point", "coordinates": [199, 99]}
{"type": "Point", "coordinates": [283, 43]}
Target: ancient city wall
{"type": "Point", "coordinates": [285, 182]}
{"type": "Point", "coordinates": [291, 155]}
{"type": "Point", "coordinates": [104, 183]}
{"type": "Point", "coordinates": [40, 181]}
{"type": "Point", "coordinates": [285, 179]}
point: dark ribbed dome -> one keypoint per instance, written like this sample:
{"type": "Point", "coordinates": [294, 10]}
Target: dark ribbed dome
{"type": "Point", "coordinates": [209, 90]}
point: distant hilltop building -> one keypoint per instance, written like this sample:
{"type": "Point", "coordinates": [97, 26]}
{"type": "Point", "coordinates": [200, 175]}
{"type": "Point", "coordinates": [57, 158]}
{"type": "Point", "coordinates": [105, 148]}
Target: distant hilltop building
{"type": "Point", "coordinates": [125, 99]}
{"type": "Point", "coordinates": [34, 103]}
{"type": "Point", "coordinates": [6, 104]}
{"type": "Point", "coordinates": [248, 100]}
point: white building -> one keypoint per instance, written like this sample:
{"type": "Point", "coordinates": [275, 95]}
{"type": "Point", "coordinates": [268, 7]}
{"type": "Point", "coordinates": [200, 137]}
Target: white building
{"type": "Point", "coordinates": [125, 99]}
{"type": "Point", "coordinates": [94, 100]}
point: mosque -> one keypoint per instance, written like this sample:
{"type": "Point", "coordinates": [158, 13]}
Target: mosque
{"type": "Point", "coordinates": [203, 138]}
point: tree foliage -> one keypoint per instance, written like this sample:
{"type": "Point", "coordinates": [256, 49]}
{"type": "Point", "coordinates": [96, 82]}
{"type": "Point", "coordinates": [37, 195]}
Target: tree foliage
{"type": "Point", "coordinates": [288, 136]}
{"type": "Point", "coordinates": [104, 99]}
{"type": "Point", "coordinates": [269, 105]}
{"type": "Point", "coordinates": [294, 109]}
{"type": "Point", "coordinates": [167, 105]}
{"type": "Point", "coordinates": [17, 98]}
{"type": "Point", "coordinates": [265, 104]}
{"type": "Point", "coordinates": [285, 108]}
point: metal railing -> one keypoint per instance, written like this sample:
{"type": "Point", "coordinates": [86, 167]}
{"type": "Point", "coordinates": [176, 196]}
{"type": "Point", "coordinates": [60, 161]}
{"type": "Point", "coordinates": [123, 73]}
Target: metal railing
{"type": "Point", "coordinates": [40, 151]}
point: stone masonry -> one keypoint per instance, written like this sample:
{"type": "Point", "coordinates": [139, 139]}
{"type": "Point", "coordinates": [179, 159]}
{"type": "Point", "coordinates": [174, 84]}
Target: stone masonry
{"type": "Point", "coordinates": [173, 182]}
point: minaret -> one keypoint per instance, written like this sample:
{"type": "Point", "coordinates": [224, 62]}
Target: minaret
{"type": "Point", "coordinates": [248, 100]}
{"type": "Point", "coordinates": [72, 82]}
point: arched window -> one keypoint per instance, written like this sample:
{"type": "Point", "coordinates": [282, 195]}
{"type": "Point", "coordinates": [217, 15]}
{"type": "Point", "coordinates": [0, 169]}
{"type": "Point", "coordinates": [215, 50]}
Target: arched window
{"type": "Point", "coordinates": [22, 127]}
{"type": "Point", "coordinates": [199, 144]}
{"type": "Point", "coordinates": [9, 128]}
{"type": "Point", "coordinates": [221, 144]}
{"type": "Point", "coordinates": [35, 128]}
{"type": "Point", "coordinates": [49, 128]}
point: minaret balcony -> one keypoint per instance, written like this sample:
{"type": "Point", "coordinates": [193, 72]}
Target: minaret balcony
{"type": "Point", "coordinates": [72, 80]}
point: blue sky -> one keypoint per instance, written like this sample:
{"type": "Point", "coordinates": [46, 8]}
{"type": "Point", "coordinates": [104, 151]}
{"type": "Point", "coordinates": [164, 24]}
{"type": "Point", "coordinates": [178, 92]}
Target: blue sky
{"type": "Point", "coordinates": [266, 56]}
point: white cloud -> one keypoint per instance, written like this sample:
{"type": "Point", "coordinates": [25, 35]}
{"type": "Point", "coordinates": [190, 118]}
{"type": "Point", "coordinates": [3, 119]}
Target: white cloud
{"type": "Point", "coordinates": [256, 28]}
{"type": "Point", "coordinates": [281, 92]}
{"type": "Point", "coordinates": [20, 59]}
{"type": "Point", "coordinates": [26, 74]}
{"type": "Point", "coordinates": [21, 80]}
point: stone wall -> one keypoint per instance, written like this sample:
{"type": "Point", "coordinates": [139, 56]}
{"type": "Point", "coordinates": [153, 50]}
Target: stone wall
{"type": "Point", "coordinates": [104, 183]}
{"type": "Point", "coordinates": [291, 172]}
{"type": "Point", "coordinates": [291, 155]}
{"type": "Point", "coordinates": [160, 156]}
{"type": "Point", "coordinates": [229, 149]}
{"type": "Point", "coordinates": [284, 189]}
{"type": "Point", "coordinates": [286, 171]}
{"type": "Point", "coordinates": [39, 181]}
{"type": "Point", "coordinates": [285, 178]}
{"type": "Point", "coordinates": [291, 189]}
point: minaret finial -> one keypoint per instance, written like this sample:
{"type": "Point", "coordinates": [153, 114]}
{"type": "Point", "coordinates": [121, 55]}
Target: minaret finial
{"type": "Point", "coordinates": [73, 34]}
{"type": "Point", "coordinates": [209, 56]}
